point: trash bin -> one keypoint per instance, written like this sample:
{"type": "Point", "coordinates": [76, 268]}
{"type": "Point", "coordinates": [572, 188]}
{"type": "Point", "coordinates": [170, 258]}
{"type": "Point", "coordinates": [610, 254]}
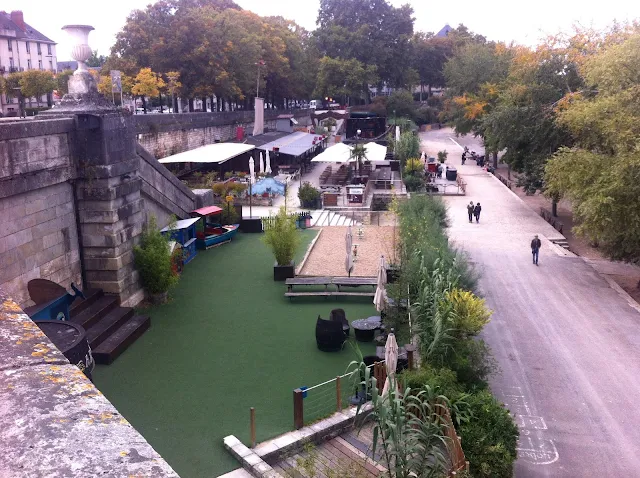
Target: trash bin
{"type": "Point", "coordinates": [72, 341]}
{"type": "Point", "coordinates": [452, 174]}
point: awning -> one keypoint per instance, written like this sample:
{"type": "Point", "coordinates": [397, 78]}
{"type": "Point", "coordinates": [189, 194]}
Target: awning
{"type": "Point", "coordinates": [338, 153]}
{"type": "Point", "coordinates": [211, 153]}
{"type": "Point", "coordinates": [207, 211]}
{"type": "Point", "coordinates": [181, 224]}
{"type": "Point", "coordinates": [294, 144]}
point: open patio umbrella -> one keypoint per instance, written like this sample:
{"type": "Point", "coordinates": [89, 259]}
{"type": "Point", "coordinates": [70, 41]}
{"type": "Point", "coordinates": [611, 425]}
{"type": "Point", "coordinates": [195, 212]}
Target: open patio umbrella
{"type": "Point", "coordinates": [267, 164]}
{"type": "Point", "coordinates": [261, 160]}
{"type": "Point", "coordinates": [348, 263]}
{"type": "Point", "coordinates": [391, 362]}
{"type": "Point", "coordinates": [380, 298]}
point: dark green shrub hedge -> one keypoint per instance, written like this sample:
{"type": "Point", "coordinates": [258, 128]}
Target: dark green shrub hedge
{"type": "Point", "coordinates": [489, 438]}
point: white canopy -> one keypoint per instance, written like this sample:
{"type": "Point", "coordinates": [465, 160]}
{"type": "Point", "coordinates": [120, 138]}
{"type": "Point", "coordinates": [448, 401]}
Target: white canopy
{"type": "Point", "coordinates": [341, 153]}
{"type": "Point", "coordinates": [338, 153]}
{"type": "Point", "coordinates": [376, 152]}
{"type": "Point", "coordinates": [210, 153]}
{"type": "Point", "coordinates": [181, 224]}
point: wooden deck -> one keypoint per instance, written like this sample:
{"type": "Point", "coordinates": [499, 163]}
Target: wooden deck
{"type": "Point", "coordinates": [347, 455]}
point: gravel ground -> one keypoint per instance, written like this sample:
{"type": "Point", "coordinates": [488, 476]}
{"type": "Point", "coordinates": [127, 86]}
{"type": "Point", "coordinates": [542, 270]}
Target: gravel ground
{"type": "Point", "coordinates": [328, 255]}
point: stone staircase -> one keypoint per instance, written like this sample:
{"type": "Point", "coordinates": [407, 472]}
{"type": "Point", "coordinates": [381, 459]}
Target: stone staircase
{"type": "Point", "coordinates": [326, 217]}
{"type": "Point", "coordinates": [111, 329]}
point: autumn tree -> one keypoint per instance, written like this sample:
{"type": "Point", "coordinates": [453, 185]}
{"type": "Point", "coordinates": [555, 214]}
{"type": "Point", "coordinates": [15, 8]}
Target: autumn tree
{"type": "Point", "coordinates": [599, 174]}
{"type": "Point", "coordinates": [173, 85]}
{"type": "Point", "coordinates": [96, 60]}
{"type": "Point", "coordinates": [147, 83]}
{"type": "Point", "coordinates": [62, 81]}
{"type": "Point", "coordinates": [36, 83]}
{"type": "Point", "coordinates": [341, 78]}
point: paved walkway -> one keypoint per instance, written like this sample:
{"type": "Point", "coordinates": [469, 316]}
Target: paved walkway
{"type": "Point", "coordinates": [567, 343]}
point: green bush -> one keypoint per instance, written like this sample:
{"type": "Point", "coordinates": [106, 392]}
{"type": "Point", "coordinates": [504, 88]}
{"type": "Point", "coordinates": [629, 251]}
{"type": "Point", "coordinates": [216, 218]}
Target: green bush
{"type": "Point", "coordinates": [229, 214]}
{"type": "Point", "coordinates": [308, 195]}
{"type": "Point", "coordinates": [473, 363]}
{"type": "Point", "coordinates": [283, 238]}
{"type": "Point", "coordinates": [413, 183]}
{"type": "Point", "coordinates": [442, 156]}
{"type": "Point", "coordinates": [470, 314]}
{"type": "Point", "coordinates": [442, 381]}
{"type": "Point", "coordinates": [153, 260]}
{"type": "Point", "coordinates": [489, 438]}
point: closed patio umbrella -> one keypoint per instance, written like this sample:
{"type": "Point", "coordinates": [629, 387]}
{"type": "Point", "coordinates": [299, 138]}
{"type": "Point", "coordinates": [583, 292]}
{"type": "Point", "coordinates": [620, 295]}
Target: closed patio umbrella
{"type": "Point", "coordinates": [391, 362]}
{"type": "Point", "coordinates": [267, 164]}
{"type": "Point", "coordinates": [261, 163]}
{"type": "Point", "coordinates": [252, 172]}
{"type": "Point", "coordinates": [380, 297]}
{"type": "Point", "coordinates": [348, 263]}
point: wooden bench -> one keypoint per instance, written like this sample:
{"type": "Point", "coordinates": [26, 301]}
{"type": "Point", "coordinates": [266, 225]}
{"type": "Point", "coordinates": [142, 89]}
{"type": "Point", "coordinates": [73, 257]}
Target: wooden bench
{"type": "Point", "coordinates": [329, 293]}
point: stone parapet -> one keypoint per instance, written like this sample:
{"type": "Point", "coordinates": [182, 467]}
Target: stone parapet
{"type": "Point", "coordinates": [53, 421]}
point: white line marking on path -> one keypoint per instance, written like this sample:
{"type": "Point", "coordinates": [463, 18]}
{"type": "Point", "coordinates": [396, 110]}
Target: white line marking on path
{"type": "Point", "coordinates": [456, 143]}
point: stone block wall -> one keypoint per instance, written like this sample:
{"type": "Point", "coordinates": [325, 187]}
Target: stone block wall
{"type": "Point", "coordinates": [164, 195]}
{"type": "Point", "coordinates": [38, 232]}
{"type": "Point", "coordinates": [163, 135]}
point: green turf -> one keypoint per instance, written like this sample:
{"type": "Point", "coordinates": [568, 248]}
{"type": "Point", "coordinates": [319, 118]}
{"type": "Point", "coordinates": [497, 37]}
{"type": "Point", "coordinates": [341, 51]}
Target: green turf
{"type": "Point", "coordinates": [227, 341]}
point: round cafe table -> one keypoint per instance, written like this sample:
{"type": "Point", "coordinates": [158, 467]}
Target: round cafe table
{"type": "Point", "coordinates": [364, 329]}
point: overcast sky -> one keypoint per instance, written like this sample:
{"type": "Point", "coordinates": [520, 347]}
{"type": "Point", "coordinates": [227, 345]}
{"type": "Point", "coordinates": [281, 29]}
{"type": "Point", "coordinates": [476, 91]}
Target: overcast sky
{"type": "Point", "coordinates": [504, 20]}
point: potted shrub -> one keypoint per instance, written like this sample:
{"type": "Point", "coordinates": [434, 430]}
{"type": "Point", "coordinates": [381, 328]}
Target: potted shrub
{"type": "Point", "coordinates": [308, 196]}
{"type": "Point", "coordinates": [282, 237]}
{"type": "Point", "coordinates": [153, 261]}
{"type": "Point", "coordinates": [442, 156]}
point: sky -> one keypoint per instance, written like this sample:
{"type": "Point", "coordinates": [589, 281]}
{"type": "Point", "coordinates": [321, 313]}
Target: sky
{"type": "Point", "coordinates": [501, 20]}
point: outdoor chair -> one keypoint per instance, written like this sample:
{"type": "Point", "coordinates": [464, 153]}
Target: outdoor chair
{"type": "Point", "coordinates": [329, 335]}
{"type": "Point", "coordinates": [338, 315]}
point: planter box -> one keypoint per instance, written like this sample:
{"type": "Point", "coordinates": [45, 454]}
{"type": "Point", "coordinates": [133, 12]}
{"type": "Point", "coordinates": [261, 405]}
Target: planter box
{"type": "Point", "coordinates": [281, 273]}
{"type": "Point", "coordinates": [251, 225]}
{"type": "Point", "coordinates": [393, 275]}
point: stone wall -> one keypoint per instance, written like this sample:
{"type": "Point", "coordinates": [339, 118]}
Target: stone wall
{"type": "Point", "coordinates": [163, 135]}
{"type": "Point", "coordinates": [38, 232]}
{"type": "Point", "coordinates": [53, 421]}
{"type": "Point", "coordinates": [164, 195]}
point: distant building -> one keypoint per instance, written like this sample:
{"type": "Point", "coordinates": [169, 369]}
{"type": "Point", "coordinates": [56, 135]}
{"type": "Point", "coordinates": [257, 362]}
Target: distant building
{"type": "Point", "coordinates": [22, 48]}
{"type": "Point", "coordinates": [444, 31]}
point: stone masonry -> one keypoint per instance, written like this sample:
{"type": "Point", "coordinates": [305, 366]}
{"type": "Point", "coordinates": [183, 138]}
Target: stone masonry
{"type": "Point", "coordinates": [38, 233]}
{"type": "Point", "coordinates": [168, 134]}
{"type": "Point", "coordinates": [110, 208]}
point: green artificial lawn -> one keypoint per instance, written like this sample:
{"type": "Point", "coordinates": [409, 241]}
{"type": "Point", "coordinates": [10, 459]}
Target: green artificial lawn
{"type": "Point", "coordinates": [228, 340]}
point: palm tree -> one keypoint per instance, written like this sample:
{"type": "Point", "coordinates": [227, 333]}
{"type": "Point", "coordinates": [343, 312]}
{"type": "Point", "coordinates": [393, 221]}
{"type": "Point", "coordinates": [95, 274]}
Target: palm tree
{"type": "Point", "coordinates": [359, 152]}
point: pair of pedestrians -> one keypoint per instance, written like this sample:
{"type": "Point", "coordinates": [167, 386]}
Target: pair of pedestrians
{"type": "Point", "coordinates": [474, 211]}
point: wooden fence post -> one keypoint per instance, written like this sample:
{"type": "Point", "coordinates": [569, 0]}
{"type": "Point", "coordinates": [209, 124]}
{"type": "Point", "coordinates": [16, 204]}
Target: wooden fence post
{"type": "Point", "coordinates": [338, 395]}
{"type": "Point", "coordinates": [252, 420]}
{"type": "Point", "coordinates": [298, 409]}
{"type": "Point", "coordinates": [410, 349]}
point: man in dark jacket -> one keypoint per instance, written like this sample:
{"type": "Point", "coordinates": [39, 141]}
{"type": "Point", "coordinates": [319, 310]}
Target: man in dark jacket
{"type": "Point", "coordinates": [535, 248]}
{"type": "Point", "coordinates": [470, 211]}
{"type": "Point", "coordinates": [476, 212]}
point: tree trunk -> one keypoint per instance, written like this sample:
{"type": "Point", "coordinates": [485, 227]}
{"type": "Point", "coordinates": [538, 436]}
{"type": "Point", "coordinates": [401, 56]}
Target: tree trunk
{"type": "Point", "coordinates": [144, 104]}
{"type": "Point", "coordinates": [429, 91]}
{"type": "Point", "coordinates": [161, 105]}
{"type": "Point", "coordinates": [554, 208]}
{"type": "Point", "coordinates": [508, 171]}
{"type": "Point", "coordinates": [191, 105]}
{"type": "Point", "coordinates": [421, 90]}
{"type": "Point", "coordinates": [495, 160]}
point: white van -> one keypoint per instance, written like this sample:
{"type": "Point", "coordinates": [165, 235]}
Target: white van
{"type": "Point", "coordinates": [313, 104]}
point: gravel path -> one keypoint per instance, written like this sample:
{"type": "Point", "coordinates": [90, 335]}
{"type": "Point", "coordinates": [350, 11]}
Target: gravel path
{"type": "Point", "coordinates": [328, 255]}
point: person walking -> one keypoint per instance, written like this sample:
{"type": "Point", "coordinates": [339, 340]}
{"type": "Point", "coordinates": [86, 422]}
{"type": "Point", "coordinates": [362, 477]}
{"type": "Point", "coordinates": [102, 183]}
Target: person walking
{"type": "Point", "coordinates": [535, 248]}
{"type": "Point", "coordinates": [476, 212]}
{"type": "Point", "coordinates": [470, 209]}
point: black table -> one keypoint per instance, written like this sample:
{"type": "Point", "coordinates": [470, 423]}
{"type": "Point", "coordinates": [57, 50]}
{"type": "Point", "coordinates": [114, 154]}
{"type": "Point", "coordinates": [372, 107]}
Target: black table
{"type": "Point", "coordinates": [364, 329]}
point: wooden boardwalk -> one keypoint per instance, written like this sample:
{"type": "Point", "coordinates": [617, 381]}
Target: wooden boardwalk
{"type": "Point", "coordinates": [350, 455]}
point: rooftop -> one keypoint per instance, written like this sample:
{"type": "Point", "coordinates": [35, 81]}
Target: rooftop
{"type": "Point", "coordinates": [14, 21]}
{"type": "Point", "coordinates": [210, 153]}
